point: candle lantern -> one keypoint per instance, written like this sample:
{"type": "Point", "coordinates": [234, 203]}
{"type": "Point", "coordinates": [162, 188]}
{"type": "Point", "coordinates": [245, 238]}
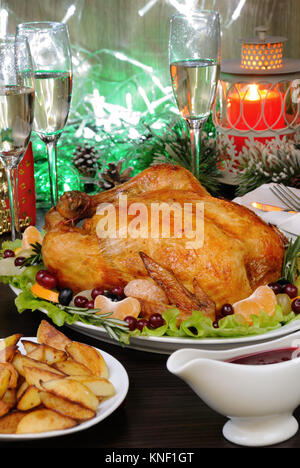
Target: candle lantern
{"type": "Point", "coordinates": [257, 100]}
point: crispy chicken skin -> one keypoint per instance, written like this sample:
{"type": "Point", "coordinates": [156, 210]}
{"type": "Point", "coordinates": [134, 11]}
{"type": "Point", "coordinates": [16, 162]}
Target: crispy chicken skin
{"type": "Point", "coordinates": [239, 252]}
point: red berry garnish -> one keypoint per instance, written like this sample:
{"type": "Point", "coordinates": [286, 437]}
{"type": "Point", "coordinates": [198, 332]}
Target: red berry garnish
{"type": "Point", "coordinates": [97, 292]}
{"type": "Point", "coordinates": [19, 261]}
{"type": "Point", "coordinates": [227, 309]}
{"type": "Point", "coordinates": [90, 304]}
{"type": "Point", "coordinates": [291, 290]}
{"type": "Point", "coordinates": [142, 323]}
{"type": "Point", "coordinates": [216, 324]}
{"type": "Point", "coordinates": [276, 287]}
{"type": "Point", "coordinates": [118, 291]}
{"type": "Point", "coordinates": [46, 279]}
{"type": "Point", "coordinates": [132, 322]}
{"type": "Point", "coordinates": [296, 305]}
{"type": "Point", "coordinates": [156, 320]}
{"type": "Point", "coordinates": [81, 301]}
{"type": "Point", "coordinates": [8, 253]}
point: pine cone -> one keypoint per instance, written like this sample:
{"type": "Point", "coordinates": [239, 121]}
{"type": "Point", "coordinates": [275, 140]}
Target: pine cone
{"type": "Point", "coordinates": [295, 182]}
{"type": "Point", "coordinates": [85, 160]}
{"type": "Point", "coordinates": [114, 176]}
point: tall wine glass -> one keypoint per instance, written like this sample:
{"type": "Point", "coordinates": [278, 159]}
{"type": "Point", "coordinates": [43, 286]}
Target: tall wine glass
{"type": "Point", "coordinates": [50, 48]}
{"type": "Point", "coordinates": [16, 114]}
{"type": "Point", "coordinates": [194, 57]}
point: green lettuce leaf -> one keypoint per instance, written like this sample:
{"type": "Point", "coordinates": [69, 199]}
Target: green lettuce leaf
{"type": "Point", "coordinates": [23, 281]}
{"type": "Point", "coordinates": [11, 245]}
{"type": "Point", "coordinates": [232, 326]}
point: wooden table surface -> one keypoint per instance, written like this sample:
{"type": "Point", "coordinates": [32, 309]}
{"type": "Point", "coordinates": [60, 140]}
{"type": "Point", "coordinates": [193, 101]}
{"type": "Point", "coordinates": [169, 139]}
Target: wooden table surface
{"type": "Point", "coordinates": [160, 410]}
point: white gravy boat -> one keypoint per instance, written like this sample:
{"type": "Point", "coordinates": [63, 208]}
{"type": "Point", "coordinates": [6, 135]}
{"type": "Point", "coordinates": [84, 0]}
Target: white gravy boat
{"type": "Point", "coordinates": [259, 400]}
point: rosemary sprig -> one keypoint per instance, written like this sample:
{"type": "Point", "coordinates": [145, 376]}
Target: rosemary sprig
{"type": "Point", "coordinates": [36, 257]}
{"type": "Point", "coordinates": [116, 329]}
{"type": "Point", "coordinates": [290, 267]}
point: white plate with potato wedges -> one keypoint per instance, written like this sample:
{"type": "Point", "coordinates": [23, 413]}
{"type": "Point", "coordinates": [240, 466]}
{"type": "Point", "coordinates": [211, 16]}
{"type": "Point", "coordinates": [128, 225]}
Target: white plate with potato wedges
{"type": "Point", "coordinates": [50, 386]}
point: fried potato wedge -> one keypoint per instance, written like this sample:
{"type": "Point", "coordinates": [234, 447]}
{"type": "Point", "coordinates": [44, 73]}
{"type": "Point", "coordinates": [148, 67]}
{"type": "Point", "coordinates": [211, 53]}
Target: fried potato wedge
{"type": "Point", "coordinates": [9, 422]}
{"type": "Point", "coordinates": [89, 357]}
{"type": "Point", "coordinates": [35, 376]}
{"type": "Point", "coordinates": [7, 354]}
{"type": "Point", "coordinates": [48, 354]}
{"type": "Point", "coordinates": [13, 381]}
{"type": "Point", "coordinates": [98, 385]}
{"type": "Point", "coordinates": [71, 367]}
{"type": "Point", "coordinates": [49, 335]}
{"type": "Point", "coordinates": [29, 399]}
{"type": "Point", "coordinates": [10, 397]}
{"type": "Point", "coordinates": [66, 407]}
{"type": "Point", "coordinates": [73, 391]}
{"type": "Point", "coordinates": [29, 346]}
{"type": "Point", "coordinates": [22, 389]}
{"type": "Point", "coordinates": [21, 360]}
{"type": "Point", "coordinates": [4, 408]}
{"type": "Point", "coordinates": [9, 341]}
{"type": "Point", "coordinates": [44, 420]}
{"type": "Point", "coordinates": [4, 380]}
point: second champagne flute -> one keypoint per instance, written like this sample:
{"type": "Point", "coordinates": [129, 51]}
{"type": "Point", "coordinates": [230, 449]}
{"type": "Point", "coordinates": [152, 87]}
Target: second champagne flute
{"type": "Point", "coordinates": [194, 56]}
{"type": "Point", "coordinates": [50, 49]}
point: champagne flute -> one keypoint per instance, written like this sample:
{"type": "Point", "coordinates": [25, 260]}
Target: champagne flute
{"type": "Point", "coordinates": [16, 115]}
{"type": "Point", "coordinates": [194, 57]}
{"type": "Point", "coordinates": [50, 48]}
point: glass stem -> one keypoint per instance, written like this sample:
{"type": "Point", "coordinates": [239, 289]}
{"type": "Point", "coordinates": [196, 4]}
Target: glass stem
{"type": "Point", "coordinates": [52, 164]}
{"type": "Point", "coordinates": [195, 128]}
{"type": "Point", "coordinates": [12, 182]}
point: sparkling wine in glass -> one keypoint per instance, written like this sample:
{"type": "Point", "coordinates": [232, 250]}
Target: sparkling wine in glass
{"type": "Point", "coordinates": [194, 57]}
{"type": "Point", "coordinates": [16, 114]}
{"type": "Point", "coordinates": [51, 53]}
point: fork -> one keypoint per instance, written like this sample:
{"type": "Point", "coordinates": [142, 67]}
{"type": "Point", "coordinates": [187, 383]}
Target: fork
{"type": "Point", "coordinates": [287, 196]}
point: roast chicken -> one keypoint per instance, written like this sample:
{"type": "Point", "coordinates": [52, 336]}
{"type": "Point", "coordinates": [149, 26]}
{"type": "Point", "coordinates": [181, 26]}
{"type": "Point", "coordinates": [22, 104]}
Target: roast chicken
{"type": "Point", "coordinates": [239, 251]}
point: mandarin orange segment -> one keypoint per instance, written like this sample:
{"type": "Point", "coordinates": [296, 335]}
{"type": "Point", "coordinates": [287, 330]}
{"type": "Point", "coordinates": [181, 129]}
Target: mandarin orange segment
{"type": "Point", "coordinates": [120, 310]}
{"type": "Point", "coordinates": [263, 299]}
{"type": "Point", "coordinates": [266, 298]}
{"type": "Point", "coordinates": [30, 236]}
{"type": "Point", "coordinates": [44, 293]}
{"type": "Point", "coordinates": [145, 289]}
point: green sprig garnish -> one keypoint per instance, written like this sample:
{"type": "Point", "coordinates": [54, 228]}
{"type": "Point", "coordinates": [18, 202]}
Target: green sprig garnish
{"type": "Point", "coordinates": [114, 327]}
{"type": "Point", "coordinates": [36, 257]}
{"type": "Point", "coordinates": [291, 261]}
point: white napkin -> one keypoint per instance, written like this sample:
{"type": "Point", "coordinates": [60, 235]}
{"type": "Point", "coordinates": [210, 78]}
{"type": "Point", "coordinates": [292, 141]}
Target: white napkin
{"type": "Point", "coordinates": [287, 222]}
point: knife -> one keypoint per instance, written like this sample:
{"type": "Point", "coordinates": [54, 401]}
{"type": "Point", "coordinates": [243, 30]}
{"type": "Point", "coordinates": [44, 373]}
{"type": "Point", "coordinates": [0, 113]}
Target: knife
{"type": "Point", "coordinates": [264, 207]}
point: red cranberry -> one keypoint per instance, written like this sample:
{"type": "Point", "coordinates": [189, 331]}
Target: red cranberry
{"type": "Point", "coordinates": [142, 323]}
{"type": "Point", "coordinates": [97, 292]}
{"type": "Point", "coordinates": [81, 301]}
{"type": "Point", "coordinates": [156, 320]}
{"type": "Point", "coordinates": [291, 290]}
{"type": "Point", "coordinates": [40, 275]}
{"type": "Point", "coordinates": [46, 279]}
{"type": "Point", "coordinates": [118, 291]}
{"type": "Point", "coordinates": [19, 261]}
{"type": "Point", "coordinates": [8, 253]}
{"type": "Point", "coordinates": [132, 322]}
{"type": "Point", "coordinates": [90, 304]}
{"type": "Point", "coordinates": [216, 324]}
{"type": "Point", "coordinates": [276, 287]}
{"type": "Point", "coordinates": [226, 309]}
{"type": "Point", "coordinates": [296, 305]}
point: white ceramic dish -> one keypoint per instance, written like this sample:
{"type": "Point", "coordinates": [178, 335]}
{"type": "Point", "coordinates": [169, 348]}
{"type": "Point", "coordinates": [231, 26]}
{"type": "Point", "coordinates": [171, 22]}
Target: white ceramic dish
{"type": "Point", "coordinates": [167, 345]}
{"type": "Point", "coordinates": [118, 377]}
{"type": "Point", "coordinates": [259, 400]}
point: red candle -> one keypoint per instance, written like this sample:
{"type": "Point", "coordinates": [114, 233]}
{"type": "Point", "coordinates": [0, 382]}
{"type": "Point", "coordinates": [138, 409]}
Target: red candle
{"type": "Point", "coordinates": [255, 108]}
